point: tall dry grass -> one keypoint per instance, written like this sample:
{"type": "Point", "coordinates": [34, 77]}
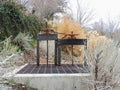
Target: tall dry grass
{"type": "Point", "coordinates": [66, 26]}
{"type": "Point", "coordinates": [104, 66]}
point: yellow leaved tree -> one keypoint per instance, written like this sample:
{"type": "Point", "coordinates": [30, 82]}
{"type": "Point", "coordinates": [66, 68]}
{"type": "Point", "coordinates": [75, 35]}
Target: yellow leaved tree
{"type": "Point", "coordinates": [66, 26]}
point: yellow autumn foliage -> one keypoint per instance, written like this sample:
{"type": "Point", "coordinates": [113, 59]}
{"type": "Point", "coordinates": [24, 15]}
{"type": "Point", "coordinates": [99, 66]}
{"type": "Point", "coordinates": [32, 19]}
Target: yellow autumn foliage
{"type": "Point", "coordinates": [94, 39]}
{"type": "Point", "coordinates": [67, 26]}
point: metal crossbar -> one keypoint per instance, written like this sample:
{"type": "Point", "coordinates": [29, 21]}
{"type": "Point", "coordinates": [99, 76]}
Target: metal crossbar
{"type": "Point", "coordinates": [58, 43]}
{"type": "Point", "coordinates": [71, 42]}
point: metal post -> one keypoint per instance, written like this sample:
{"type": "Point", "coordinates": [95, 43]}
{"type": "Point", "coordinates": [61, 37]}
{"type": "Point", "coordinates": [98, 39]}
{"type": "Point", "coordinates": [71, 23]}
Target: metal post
{"type": "Point", "coordinates": [85, 46]}
{"type": "Point", "coordinates": [47, 52]}
{"type": "Point", "coordinates": [59, 55]}
{"type": "Point", "coordinates": [47, 42]}
{"type": "Point", "coordinates": [72, 55]}
{"type": "Point", "coordinates": [38, 53]}
{"type": "Point", "coordinates": [56, 53]}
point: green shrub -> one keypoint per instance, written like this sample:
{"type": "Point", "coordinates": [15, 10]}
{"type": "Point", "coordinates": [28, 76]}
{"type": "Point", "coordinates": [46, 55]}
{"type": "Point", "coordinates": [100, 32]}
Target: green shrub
{"type": "Point", "coordinates": [13, 19]}
{"type": "Point", "coordinates": [23, 41]}
{"type": "Point", "coordinates": [7, 48]}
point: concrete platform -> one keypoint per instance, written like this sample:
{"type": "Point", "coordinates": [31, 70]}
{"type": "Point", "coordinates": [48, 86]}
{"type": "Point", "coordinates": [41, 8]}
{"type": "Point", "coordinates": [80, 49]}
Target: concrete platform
{"type": "Point", "coordinates": [52, 69]}
{"type": "Point", "coordinates": [53, 81]}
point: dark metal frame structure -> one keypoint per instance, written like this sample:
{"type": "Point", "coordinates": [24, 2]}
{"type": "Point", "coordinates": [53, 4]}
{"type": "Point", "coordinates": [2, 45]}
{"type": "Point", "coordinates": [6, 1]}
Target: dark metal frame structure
{"type": "Point", "coordinates": [44, 37]}
{"type": "Point", "coordinates": [58, 44]}
{"type": "Point", "coordinates": [71, 42]}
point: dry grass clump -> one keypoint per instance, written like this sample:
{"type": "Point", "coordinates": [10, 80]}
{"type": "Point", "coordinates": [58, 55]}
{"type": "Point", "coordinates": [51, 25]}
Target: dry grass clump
{"type": "Point", "coordinates": [94, 39]}
{"type": "Point", "coordinates": [103, 66]}
{"type": "Point", "coordinates": [66, 26]}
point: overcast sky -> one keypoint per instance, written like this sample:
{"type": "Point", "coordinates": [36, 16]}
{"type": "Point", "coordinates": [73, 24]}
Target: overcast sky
{"type": "Point", "coordinates": [102, 8]}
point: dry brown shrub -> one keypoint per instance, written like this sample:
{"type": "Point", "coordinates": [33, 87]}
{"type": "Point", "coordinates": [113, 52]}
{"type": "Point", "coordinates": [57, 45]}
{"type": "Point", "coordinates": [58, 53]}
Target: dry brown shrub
{"type": "Point", "coordinates": [94, 39]}
{"type": "Point", "coordinates": [66, 25]}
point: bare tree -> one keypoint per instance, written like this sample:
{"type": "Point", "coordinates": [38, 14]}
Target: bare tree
{"type": "Point", "coordinates": [110, 28]}
{"type": "Point", "coordinates": [47, 8]}
{"type": "Point", "coordinates": [99, 27]}
{"type": "Point", "coordinates": [83, 13]}
{"type": "Point", "coordinates": [1, 1]}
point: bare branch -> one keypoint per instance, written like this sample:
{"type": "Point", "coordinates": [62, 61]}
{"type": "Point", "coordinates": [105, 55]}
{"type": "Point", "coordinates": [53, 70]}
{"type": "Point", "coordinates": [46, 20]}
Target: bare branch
{"type": "Point", "coordinates": [47, 8]}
